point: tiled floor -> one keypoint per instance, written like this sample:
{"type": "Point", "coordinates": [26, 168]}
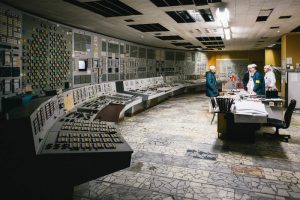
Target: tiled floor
{"type": "Point", "coordinates": [177, 155]}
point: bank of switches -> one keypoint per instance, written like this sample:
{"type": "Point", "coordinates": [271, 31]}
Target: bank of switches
{"type": "Point", "coordinates": [86, 125]}
{"type": "Point", "coordinates": [96, 104]}
{"type": "Point", "coordinates": [97, 135]}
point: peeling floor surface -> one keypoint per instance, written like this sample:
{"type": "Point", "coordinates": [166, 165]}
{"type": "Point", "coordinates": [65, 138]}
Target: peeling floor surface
{"type": "Point", "coordinates": [177, 155]}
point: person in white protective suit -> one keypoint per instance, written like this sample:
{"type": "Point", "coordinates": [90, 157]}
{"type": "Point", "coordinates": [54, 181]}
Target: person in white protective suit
{"type": "Point", "coordinates": [270, 80]}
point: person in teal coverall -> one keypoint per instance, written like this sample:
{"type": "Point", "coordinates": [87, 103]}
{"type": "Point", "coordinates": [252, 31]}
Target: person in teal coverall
{"type": "Point", "coordinates": [211, 82]}
{"type": "Point", "coordinates": [258, 80]}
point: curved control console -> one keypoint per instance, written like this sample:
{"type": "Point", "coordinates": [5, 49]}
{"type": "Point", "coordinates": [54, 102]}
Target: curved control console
{"type": "Point", "coordinates": [66, 140]}
{"type": "Point", "coordinates": [73, 137]}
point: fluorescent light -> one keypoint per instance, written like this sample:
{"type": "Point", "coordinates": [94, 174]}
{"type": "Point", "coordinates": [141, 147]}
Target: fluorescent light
{"type": "Point", "coordinates": [271, 45]}
{"type": "Point", "coordinates": [223, 16]}
{"type": "Point", "coordinates": [227, 33]}
{"type": "Point", "coordinates": [225, 24]}
{"type": "Point", "coordinates": [195, 15]}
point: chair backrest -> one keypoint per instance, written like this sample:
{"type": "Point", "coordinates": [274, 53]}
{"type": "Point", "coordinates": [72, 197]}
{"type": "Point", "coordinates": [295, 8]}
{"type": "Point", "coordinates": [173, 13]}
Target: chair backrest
{"type": "Point", "coordinates": [288, 113]}
{"type": "Point", "coordinates": [213, 102]}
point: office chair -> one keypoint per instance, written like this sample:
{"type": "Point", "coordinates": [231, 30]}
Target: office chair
{"type": "Point", "coordinates": [214, 107]}
{"type": "Point", "coordinates": [279, 124]}
{"type": "Point", "coordinates": [221, 105]}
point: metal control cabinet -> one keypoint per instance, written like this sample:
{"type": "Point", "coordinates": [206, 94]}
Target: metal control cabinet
{"type": "Point", "coordinates": [293, 79]}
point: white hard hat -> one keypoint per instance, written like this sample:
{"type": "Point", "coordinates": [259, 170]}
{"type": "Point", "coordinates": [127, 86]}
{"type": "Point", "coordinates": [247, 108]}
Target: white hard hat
{"type": "Point", "coordinates": [268, 67]}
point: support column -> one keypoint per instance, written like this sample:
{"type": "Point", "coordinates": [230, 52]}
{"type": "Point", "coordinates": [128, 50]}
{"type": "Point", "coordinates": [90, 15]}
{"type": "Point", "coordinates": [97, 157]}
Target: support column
{"type": "Point", "coordinates": [290, 55]}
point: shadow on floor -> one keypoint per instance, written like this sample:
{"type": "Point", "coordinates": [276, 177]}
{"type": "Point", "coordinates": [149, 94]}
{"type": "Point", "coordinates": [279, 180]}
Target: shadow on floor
{"type": "Point", "coordinates": [263, 147]}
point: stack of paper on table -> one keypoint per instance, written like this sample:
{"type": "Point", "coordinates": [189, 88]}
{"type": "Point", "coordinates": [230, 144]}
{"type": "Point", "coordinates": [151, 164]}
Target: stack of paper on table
{"type": "Point", "coordinates": [250, 112]}
{"type": "Point", "coordinates": [250, 108]}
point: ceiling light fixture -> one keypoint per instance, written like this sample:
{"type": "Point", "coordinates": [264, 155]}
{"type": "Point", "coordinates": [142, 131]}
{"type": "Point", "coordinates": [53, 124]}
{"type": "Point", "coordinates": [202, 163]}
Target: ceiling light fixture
{"type": "Point", "coordinates": [223, 16]}
{"type": "Point", "coordinates": [271, 45]}
{"type": "Point", "coordinates": [227, 33]}
{"type": "Point", "coordinates": [195, 15]}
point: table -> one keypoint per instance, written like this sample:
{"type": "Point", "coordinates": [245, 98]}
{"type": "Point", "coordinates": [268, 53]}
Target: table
{"type": "Point", "coordinates": [244, 129]}
{"type": "Point", "coordinates": [241, 93]}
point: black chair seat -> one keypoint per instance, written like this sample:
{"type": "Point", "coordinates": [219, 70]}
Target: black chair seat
{"type": "Point", "coordinates": [279, 124]}
{"type": "Point", "coordinates": [276, 123]}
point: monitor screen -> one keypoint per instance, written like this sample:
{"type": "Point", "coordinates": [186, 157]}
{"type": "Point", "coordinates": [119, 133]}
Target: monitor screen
{"type": "Point", "coordinates": [82, 65]}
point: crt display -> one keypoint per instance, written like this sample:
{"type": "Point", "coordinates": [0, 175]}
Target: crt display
{"type": "Point", "coordinates": [82, 65]}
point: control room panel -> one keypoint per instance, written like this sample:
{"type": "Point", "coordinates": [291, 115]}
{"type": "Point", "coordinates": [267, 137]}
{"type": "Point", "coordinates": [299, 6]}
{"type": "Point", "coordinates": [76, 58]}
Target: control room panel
{"type": "Point", "coordinates": [70, 122]}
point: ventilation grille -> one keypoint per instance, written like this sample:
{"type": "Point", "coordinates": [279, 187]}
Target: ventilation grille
{"type": "Point", "coordinates": [215, 46]}
{"type": "Point", "coordinates": [262, 18]}
{"type": "Point", "coordinates": [149, 27]}
{"type": "Point", "coordinates": [214, 1]}
{"type": "Point", "coordinates": [129, 20]}
{"type": "Point", "coordinates": [181, 16]}
{"type": "Point", "coordinates": [209, 39]}
{"type": "Point", "coordinates": [212, 42]}
{"type": "Point", "coordinates": [182, 44]}
{"type": "Point", "coordinates": [297, 29]}
{"type": "Point", "coordinates": [106, 8]}
{"type": "Point", "coordinates": [207, 15]}
{"type": "Point", "coordinates": [192, 47]}
{"type": "Point", "coordinates": [264, 15]}
{"type": "Point", "coordinates": [168, 3]}
{"type": "Point", "coordinates": [285, 17]}
{"type": "Point", "coordinates": [201, 2]}
{"type": "Point", "coordinates": [171, 37]}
